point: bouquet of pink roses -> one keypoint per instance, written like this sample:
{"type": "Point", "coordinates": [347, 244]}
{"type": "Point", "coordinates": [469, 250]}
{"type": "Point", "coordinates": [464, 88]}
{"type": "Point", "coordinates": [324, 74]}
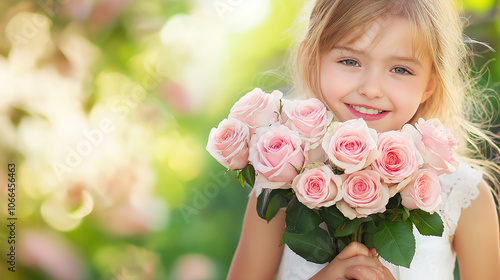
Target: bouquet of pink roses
{"type": "Point", "coordinates": [339, 181]}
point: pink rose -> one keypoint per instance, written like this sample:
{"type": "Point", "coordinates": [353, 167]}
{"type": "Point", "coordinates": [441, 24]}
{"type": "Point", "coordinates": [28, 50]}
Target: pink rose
{"type": "Point", "coordinates": [275, 152]}
{"type": "Point", "coordinates": [364, 194]}
{"type": "Point", "coordinates": [257, 108]}
{"type": "Point", "coordinates": [228, 143]}
{"type": "Point", "coordinates": [398, 158]}
{"type": "Point", "coordinates": [318, 187]}
{"type": "Point", "coordinates": [310, 118]}
{"type": "Point", "coordinates": [351, 145]}
{"type": "Point", "coordinates": [423, 192]}
{"type": "Point", "coordinates": [435, 143]}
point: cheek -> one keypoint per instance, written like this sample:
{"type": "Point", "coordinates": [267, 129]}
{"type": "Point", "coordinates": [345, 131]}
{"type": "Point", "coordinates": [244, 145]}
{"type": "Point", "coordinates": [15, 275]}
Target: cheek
{"type": "Point", "coordinates": [407, 96]}
{"type": "Point", "coordinates": [335, 85]}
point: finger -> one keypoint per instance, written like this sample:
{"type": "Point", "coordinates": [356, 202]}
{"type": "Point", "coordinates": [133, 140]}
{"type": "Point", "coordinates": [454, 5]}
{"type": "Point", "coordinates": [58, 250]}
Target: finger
{"type": "Point", "coordinates": [377, 260]}
{"type": "Point", "coordinates": [363, 273]}
{"type": "Point", "coordinates": [354, 249]}
{"type": "Point", "coordinates": [385, 271]}
{"type": "Point", "coordinates": [373, 251]}
{"type": "Point", "coordinates": [361, 260]}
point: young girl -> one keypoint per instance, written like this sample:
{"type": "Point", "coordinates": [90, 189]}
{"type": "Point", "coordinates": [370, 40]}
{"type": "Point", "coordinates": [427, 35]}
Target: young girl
{"type": "Point", "coordinates": [389, 62]}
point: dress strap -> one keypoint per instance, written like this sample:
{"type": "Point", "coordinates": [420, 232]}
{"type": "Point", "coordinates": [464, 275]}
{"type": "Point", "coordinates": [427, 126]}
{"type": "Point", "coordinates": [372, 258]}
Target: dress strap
{"type": "Point", "coordinates": [459, 189]}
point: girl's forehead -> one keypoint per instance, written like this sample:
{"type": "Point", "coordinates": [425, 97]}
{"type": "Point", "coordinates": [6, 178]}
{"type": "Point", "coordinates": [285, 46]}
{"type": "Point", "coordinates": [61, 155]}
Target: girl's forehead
{"type": "Point", "coordinates": [368, 34]}
{"type": "Point", "coordinates": [391, 31]}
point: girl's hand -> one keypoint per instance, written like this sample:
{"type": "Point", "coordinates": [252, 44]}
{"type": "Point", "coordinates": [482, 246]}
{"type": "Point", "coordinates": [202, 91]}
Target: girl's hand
{"type": "Point", "coordinates": [356, 261]}
{"type": "Point", "coordinates": [386, 272]}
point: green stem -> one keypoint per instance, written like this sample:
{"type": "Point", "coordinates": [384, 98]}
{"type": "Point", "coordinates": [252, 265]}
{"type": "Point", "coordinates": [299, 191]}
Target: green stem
{"type": "Point", "coordinates": [358, 233]}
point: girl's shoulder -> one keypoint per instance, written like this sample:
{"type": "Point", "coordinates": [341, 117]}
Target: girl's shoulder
{"type": "Point", "coordinates": [459, 189]}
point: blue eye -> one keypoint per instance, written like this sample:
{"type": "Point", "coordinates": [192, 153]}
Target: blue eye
{"type": "Point", "coordinates": [401, 71]}
{"type": "Point", "coordinates": [349, 62]}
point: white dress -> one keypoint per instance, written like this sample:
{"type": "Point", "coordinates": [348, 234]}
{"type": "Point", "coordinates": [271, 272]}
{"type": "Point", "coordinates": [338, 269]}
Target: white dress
{"type": "Point", "coordinates": [434, 256]}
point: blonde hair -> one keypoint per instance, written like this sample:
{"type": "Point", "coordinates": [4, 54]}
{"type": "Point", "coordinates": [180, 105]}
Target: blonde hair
{"type": "Point", "coordinates": [437, 25]}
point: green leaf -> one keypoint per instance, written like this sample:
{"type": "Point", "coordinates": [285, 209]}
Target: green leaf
{"type": "Point", "coordinates": [332, 216]}
{"type": "Point", "coordinates": [239, 176]}
{"type": "Point", "coordinates": [315, 246]}
{"type": "Point", "coordinates": [337, 170]}
{"type": "Point", "coordinates": [368, 238]}
{"type": "Point", "coordinates": [339, 244]}
{"type": "Point", "coordinates": [394, 202]}
{"type": "Point", "coordinates": [300, 219]}
{"type": "Point", "coordinates": [370, 230]}
{"type": "Point", "coordinates": [406, 214]}
{"type": "Point", "coordinates": [409, 224]}
{"type": "Point", "coordinates": [350, 226]}
{"type": "Point", "coordinates": [371, 227]}
{"type": "Point", "coordinates": [270, 202]}
{"type": "Point", "coordinates": [248, 173]}
{"type": "Point", "coordinates": [426, 223]}
{"type": "Point", "coordinates": [282, 242]}
{"type": "Point", "coordinates": [296, 169]}
{"type": "Point", "coordinates": [395, 242]}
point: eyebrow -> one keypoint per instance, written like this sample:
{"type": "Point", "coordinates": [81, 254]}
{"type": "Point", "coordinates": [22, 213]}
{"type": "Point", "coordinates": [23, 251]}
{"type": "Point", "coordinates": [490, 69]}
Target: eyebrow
{"type": "Point", "coordinates": [409, 59]}
{"type": "Point", "coordinates": [349, 49]}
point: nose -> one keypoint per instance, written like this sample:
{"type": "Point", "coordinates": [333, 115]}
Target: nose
{"type": "Point", "coordinates": [371, 84]}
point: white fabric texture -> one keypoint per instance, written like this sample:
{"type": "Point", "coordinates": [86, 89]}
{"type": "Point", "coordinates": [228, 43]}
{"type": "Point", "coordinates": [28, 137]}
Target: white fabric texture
{"type": "Point", "coordinates": [434, 256]}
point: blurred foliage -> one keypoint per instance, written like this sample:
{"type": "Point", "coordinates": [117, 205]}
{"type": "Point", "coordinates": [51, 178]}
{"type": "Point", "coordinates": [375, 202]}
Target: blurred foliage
{"type": "Point", "coordinates": [106, 109]}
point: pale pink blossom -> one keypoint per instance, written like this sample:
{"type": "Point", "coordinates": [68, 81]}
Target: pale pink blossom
{"type": "Point", "coordinates": [257, 108]}
{"type": "Point", "coordinates": [275, 152]}
{"type": "Point", "coordinates": [423, 192]}
{"type": "Point", "coordinates": [318, 187]}
{"type": "Point", "coordinates": [364, 194]}
{"type": "Point", "coordinates": [65, 209]}
{"type": "Point", "coordinates": [435, 143]}
{"type": "Point", "coordinates": [194, 267]}
{"type": "Point", "coordinates": [50, 252]}
{"type": "Point", "coordinates": [228, 143]}
{"type": "Point", "coordinates": [398, 158]}
{"type": "Point", "coordinates": [310, 118]}
{"type": "Point", "coordinates": [351, 145]}
{"type": "Point", "coordinates": [127, 219]}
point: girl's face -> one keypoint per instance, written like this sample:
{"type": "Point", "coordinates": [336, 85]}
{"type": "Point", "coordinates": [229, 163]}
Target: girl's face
{"type": "Point", "coordinates": [377, 78]}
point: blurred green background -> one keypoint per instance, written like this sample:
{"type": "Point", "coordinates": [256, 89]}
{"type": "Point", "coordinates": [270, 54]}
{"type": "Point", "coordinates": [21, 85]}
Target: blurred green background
{"type": "Point", "coordinates": [105, 109]}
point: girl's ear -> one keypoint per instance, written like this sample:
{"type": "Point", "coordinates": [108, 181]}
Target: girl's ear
{"type": "Point", "coordinates": [431, 87]}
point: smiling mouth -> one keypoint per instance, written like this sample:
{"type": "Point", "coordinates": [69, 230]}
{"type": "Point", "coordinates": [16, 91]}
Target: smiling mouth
{"type": "Point", "coordinates": [367, 111]}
